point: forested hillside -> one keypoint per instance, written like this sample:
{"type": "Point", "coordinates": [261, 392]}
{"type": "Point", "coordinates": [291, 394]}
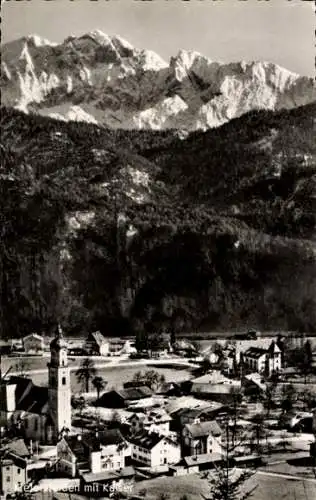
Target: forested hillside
{"type": "Point", "coordinates": [140, 230]}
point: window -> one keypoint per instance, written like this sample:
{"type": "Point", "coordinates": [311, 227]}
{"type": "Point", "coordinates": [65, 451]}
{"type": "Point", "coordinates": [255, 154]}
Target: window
{"type": "Point", "coordinates": [19, 471]}
{"type": "Point", "coordinates": [8, 479]}
{"type": "Point", "coordinates": [35, 424]}
{"type": "Point", "coordinates": [19, 484]}
{"type": "Point", "coordinates": [63, 381]}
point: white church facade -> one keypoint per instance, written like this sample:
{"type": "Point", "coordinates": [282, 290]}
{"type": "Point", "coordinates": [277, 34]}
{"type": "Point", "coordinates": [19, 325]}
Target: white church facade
{"type": "Point", "coordinates": [40, 413]}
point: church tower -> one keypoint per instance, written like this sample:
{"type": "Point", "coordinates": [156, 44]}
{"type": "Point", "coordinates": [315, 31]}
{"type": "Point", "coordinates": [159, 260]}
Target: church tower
{"type": "Point", "coordinates": [59, 390]}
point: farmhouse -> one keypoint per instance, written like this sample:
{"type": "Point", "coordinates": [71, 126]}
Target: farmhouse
{"type": "Point", "coordinates": [96, 344]}
{"type": "Point", "coordinates": [33, 344]}
{"type": "Point", "coordinates": [122, 398]}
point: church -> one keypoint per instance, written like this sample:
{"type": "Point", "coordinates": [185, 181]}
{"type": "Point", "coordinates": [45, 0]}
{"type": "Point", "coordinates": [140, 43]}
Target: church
{"type": "Point", "coordinates": [40, 413]}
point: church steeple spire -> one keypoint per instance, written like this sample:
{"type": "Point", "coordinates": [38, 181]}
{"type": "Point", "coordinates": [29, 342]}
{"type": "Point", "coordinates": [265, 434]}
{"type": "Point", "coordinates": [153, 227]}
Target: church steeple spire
{"type": "Point", "coordinates": [59, 389]}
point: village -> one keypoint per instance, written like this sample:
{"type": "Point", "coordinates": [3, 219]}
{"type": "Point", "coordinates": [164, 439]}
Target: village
{"type": "Point", "coordinates": [242, 407]}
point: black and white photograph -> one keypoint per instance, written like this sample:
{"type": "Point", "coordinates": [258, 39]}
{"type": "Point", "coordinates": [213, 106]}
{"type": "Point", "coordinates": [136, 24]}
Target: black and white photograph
{"type": "Point", "coordinates": [158, 250]}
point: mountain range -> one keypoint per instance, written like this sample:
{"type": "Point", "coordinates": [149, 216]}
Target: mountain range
{"type": "Point", "coordinates": [104, 80]}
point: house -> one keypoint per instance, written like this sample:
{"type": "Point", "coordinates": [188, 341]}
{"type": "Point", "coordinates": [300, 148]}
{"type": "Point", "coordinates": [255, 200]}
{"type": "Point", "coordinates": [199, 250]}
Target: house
{"type": "Point", "coordinates": [96, 344]}
{"type": "Point", "coordinates": [153, 449]}
{"type": "Point", "coordinates": [33, 344]}
{"type": "Point", "coordinates": [162, 348]}
{"type": "Point", "coordinates": [122, 398]}
{"type": "Point", "coordinates": [200, 438]}
{"type": "Point", "coordinates": [155, 420]}
{"type": "Point", "coordinates": [119, 347]}
{"type": "Point", "coordinates": [196, 463]}
{"type": "Point", "coordinates": [195, 415]}
{"type": "Point", "coordinates": [183, 348]}
{"type": "Point", "coordinates": [13, 473]}
{"type": "Point", "coordinates": [263, 361]}
{"type": "Point", "coordinates": [93, 453]}
{"type": "Point", "coordinates": [18, 447]}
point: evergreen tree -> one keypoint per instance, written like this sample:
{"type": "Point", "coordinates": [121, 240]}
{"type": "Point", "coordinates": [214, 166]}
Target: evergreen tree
{"type": "Point", "coordinates": [85, 373]}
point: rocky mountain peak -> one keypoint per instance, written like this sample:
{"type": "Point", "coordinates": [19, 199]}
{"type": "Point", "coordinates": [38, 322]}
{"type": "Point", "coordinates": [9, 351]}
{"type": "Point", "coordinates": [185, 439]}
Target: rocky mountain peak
{"type": "Point", "coordinates": [103, 79]}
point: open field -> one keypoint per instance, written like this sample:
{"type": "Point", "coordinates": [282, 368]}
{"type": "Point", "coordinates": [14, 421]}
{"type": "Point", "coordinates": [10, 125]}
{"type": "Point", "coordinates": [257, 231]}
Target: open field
{"type": "Point", "coordinates": [116, 374]}
{"type": "Point", "coordinates": [267, 485]}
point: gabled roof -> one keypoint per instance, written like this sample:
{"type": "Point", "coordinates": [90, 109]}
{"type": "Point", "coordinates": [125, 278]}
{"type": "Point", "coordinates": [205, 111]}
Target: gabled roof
{"type": "Point", "coordinates": [135, 392]}
{"type": "Point", "coordinates": [97, 337]}
{"type": "Point", "coordinates": [28, 397]}
{"type": "Point", "coordinates": [213, 388]}
{"type": "Point", "coordinates": [18, 447]}
{"type": "Point", "coordinates": [214, 377]}
{"type": "Point", "coordinates": [255, 352]}
{"type": "Point", "coordinates": [110, 437]}
{"type": "Point", "coordinates": [35, 401]}
{"type": "Point", "coordinates": [256, 379]}
{"type": "Point", "coordinates": [78, 446]}
{"type": "Point", "coordinates": [148, 440]}
{"type": "Point", "coordinates": [197, 412]}
{"type": "Point", "coordinates": [11, 458]}
{"type": "Point", "coordinates": [210, 427]}
{"type": "Point", "coordinates": [34, 336]}
{"type": "Point", "coordinates": [184, 402]}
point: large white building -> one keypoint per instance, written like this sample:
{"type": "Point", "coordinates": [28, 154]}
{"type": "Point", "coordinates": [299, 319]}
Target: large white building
{"type": "Point", "coordinates": [41, 413]}
{"type": "Point", "coordinates": [264, 361]}
{"type": "Point", "coordinates": [153, 449]}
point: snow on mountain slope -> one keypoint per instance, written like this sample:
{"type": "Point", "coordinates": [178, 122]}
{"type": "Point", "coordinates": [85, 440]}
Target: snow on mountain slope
{"type": "Point", "coordinates": [103, 79]}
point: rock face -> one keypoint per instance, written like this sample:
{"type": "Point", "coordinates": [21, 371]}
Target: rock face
{"type": "Point", "coordinates": [103, 79]}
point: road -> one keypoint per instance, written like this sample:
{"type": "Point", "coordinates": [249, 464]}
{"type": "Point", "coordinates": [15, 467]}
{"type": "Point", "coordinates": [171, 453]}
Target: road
{"type": "Point", "coordinates": [286, 476]}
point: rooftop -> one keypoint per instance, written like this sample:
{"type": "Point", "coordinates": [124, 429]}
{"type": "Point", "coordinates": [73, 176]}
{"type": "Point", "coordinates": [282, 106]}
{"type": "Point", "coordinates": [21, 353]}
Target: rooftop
{"type": "Point", "coordinates": [18, 447]}
{"type": "Point", "coordinates": [255, 352]}
{"type": "Point", "coordinates": [186, 402]}
{"type": "Point", "coordinates": [97, 337]}
{"type": "Point", "coordinates": [109, 475]}
{"type": "Point", "coordinates": [10, 458]}
{"type": "Point", "coordinates": [204, 458]}
{"type": "Point", "coordinates": [204, 429]}
{"type": "Point", "coordinates": [147, 440]}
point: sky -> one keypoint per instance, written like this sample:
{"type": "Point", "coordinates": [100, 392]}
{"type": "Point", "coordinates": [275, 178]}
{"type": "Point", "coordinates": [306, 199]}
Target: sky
{"type": "Point", "coordinates": [280, 31]}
